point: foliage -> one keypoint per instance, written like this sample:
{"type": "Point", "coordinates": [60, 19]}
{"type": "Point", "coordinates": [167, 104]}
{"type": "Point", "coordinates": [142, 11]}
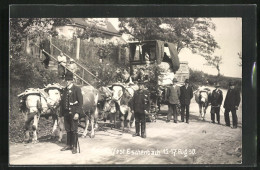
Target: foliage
{"type": "Point", "coordinates": [90, 55]}
{"type": "Point", "coordinates": [214, 61]}
{"type": "Point", "coordinates": [191, 33]}
{"type": "Point", "coordinates": [21, 28]}
{"type": "Point", "coordinates": [141, 28]}
{"type": "Point", "coordinates": [25, 72]}
{"type": "Point", "coordinates": [198, 78]}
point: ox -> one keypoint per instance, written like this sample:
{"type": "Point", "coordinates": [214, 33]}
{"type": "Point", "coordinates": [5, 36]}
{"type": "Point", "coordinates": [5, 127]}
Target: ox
{"type": "Point", "coordinates": [122, 99]}
{"type": "Point", "coordinates": [89, 106]}
{"type": "Point", "coordinates": [202, 98]}
{"type": "Point", "coordinates": [36, 103]}
{"type": "Point", "coordinates": [90, 101]}
{"type": "Point", "coordinates": [94, 101]}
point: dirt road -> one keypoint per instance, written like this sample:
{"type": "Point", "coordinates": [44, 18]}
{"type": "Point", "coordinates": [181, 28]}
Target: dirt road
{"type": "Point", "coordinates": [198, 142]}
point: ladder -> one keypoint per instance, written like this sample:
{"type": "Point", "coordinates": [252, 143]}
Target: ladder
{"type": "Point", "coordinates": [78, 65]}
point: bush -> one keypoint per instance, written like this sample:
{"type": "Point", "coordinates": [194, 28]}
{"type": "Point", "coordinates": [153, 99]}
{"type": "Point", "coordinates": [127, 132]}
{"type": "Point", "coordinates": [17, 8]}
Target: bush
{"type": "Point", "coordinates": [198, 78]}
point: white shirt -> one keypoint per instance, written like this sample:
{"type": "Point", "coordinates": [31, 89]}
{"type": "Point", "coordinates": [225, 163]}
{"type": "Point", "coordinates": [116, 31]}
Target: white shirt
{"type": "Point", "coordinates": [62, 59]}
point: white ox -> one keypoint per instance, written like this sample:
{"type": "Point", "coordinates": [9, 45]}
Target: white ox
{"type": "Point", "coordinates": [35, 103]}
{"type": "Point", "coordinates": [122, 98]}
{"type": "Point", "coordinates": [202, 98]}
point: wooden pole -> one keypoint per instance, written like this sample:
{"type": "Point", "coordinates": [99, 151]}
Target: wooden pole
{"type": "Point", "coordinates": [51, 47]}
{"type": "Point", "coordinates": [83, 77]}
{"type": "Point", "coordinates": [28, 50]}
{"type": "Point", "coordinates": [78, 48]}
{"type": "Point", "coordinates": [119, 54]}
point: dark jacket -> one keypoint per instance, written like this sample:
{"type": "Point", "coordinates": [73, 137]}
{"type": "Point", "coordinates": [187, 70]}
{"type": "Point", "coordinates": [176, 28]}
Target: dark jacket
{"type": "Point", "coordinates": [186, 95]}
{"type": "Point", "coordinates": [173, 94]}
{"type": "Point", "coordinates": [45, 44]}
{"type": "Point", "coordinates": [232, 99]}
{"type": "Point", "coordinates": [141, 101]}
{"type": "Point", "coordinates": [216, 98]}
{"type": "Point", "coordinates": [75, 97]}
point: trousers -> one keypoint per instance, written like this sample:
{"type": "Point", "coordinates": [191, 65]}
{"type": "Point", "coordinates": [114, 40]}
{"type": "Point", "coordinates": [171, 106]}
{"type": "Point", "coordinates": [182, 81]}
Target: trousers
{"type": "Point", "coordinates": [172, 111]}
{"type": "Point", "coordinates": [183, 108]}
{"type": "Point", "coordinates": [71, 125]}
{"type": "Point", "coordinates": [234, 116]}
{"type": "Point", "coordinates": [140, 119]}
{"type": "Point", "coordinates": [213, 111]}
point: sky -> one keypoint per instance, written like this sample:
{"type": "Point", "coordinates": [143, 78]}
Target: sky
{"type": "Point", "coordinates": [228, 35]}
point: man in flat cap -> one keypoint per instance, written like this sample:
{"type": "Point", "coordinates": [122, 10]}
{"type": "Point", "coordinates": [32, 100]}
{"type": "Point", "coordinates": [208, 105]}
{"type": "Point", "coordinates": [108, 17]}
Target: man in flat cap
{"type": "Point", "coordinates": [173, 98]}
{"type": "Point", "coordinates": [141, 107]}
{"type": "Point", "coordinates": [231, 103]}
{"type": "Point", "coordinates": [71, 108]}
{"type": "Point", "coordinates": [185, 97]}
{"type": "Point", "coordinates": [216, 101]}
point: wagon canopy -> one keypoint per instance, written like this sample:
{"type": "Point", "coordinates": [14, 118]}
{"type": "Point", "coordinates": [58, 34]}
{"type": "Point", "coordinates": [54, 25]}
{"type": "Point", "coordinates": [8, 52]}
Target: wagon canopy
{"type": "Point", "coordinates": [161, 48]}
{"type": "Point", "coordinates": [157, 50]}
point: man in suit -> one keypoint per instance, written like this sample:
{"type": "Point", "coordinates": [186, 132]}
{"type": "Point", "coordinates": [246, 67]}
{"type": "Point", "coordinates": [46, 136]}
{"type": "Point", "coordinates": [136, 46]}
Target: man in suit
{"type": "Point", "coordinates": [141, 107]}
{"type": "Point", "coordinates": [173, 98]}
{"type": "Point", "coordinates": [231, 103]}
{"type": "Point", "coordinates": [71, 108]}
{"type": "Point", "coordinates": [185, 97]}
{"type": "Point", "coordinates": [45, 46]}
{"type": "Point", "coordinates": [216, 101]}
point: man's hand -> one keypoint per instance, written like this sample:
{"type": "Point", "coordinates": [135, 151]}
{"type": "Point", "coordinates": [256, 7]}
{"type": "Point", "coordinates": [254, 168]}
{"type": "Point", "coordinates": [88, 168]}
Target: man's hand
{"type": "Point", "coordinates": [76, 116]}
{"type": "Point", "coordinates": [145, 111]}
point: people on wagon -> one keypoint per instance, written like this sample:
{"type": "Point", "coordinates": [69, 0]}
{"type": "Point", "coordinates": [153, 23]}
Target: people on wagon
{"type": "Point", "coordinates": [185, 97]}
{"type": "Point", "coordinates": [173, 98]}
{"type": "Point", "coordinates": [141, 75]}
{"type": "Point", "coordinates": [216, 101]}
{"type": "Point", "coordinates": [71, 108]}
{"type": "Point", "coordinates": [141, 106]}
{"type": "Point", "coordinates": [231, 103]}
{"type": "Point", "coordinates": [62, 60]}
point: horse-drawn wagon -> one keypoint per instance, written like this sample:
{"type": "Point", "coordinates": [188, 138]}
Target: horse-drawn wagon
{"type": "Point", "coordinates": [160, 62]}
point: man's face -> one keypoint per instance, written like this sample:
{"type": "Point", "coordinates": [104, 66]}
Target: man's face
{"type": "Point", "coordinates": [232, 87]}
{"type": "Point", "coordinates": [186, 84]}
{"type": "Point", "coordinates": [69, 82]}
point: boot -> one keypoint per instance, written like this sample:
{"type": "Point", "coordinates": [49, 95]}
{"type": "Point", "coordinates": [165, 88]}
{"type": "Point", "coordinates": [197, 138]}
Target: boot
{"type": "Point", "coordinates": [137, 129]}
{"type": "Point", "coordinates": [74, 143]}
{"type": "Point", "coordinates": [68, 146]}
{"type": "Point", "coordinates": [143, 129]}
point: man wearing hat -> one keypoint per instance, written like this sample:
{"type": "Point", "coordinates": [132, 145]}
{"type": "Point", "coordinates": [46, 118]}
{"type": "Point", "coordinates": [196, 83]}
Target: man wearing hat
{"type": "Point", "coordinates": [173, 98]}
{"type": "Point", "coordinates": [185, 97]}
{"type": "Point", "coordinates": [141, 107]}
{"type": "Point", "coordinates": [216, 101]}
{"type": "Point", "coordinates": [71, 108]}
{"type": "Point", "coordinates": [231, 103]}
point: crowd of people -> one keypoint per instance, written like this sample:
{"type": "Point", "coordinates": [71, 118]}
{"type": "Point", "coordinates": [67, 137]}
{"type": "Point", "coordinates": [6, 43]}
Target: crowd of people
{"type": "Point", "coordinates": [71, 106]}
{"type": "Point", "coordinates": [182, 95]}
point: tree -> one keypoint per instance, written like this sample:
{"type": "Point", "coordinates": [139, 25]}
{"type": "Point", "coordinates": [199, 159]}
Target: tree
{"type": "Point", "coordinates": [215, 62]}
{"type": "Point", "coordinates": [141, 28]}
{"type": "Point", "coordinates": [21, 28]}
{"type": "Point", "coordinates": [191, 33]}
{"type": "Point", "coordinates": [240, 57]}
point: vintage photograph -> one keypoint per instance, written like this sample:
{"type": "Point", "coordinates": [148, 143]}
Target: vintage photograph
{"type": "Point", "coordinates": [125, 91]}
